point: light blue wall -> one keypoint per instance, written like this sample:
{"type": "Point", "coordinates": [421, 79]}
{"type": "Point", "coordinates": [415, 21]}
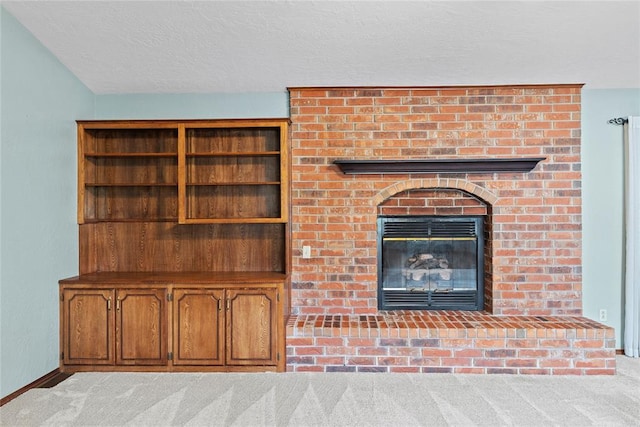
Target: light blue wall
{"type": "Point", "coordinates": [603, 177]}
{"type": "Point", "coordinates": [194, 106]}
{"type": "Point", "coordinates": [39, 244]}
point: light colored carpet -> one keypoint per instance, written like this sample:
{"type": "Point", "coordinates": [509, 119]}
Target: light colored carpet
{"type": "Point", "coordinates": [332, 399]}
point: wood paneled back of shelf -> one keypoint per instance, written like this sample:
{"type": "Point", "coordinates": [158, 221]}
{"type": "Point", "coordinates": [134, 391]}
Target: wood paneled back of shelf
{"type": "Point", "coordinates": [172, 247]}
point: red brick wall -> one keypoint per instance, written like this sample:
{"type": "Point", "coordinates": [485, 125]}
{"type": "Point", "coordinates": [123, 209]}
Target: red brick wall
{"type": "Point", "coordinates": [432, 202]}
{"type": "Point", "coordinates": [534, 235]}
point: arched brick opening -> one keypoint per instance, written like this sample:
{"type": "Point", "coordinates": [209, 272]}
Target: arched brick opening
{"type": "Point", "coordinates": [436, 183]}
{"type": "Point", "coordinates": [446, 197]}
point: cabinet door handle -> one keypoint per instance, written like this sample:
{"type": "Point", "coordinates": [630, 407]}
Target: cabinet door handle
{"type": "Point", "coordinates": [228, 304]}
{"type": "Point", "coordinates": [219, 305]}
{"type": "Point", "coordinates": [109, 304]}
{"type": "Point", "coordinates": [118, 304]}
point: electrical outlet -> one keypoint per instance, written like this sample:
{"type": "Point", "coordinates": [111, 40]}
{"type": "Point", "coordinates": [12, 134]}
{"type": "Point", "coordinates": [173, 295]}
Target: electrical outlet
{"type": "Point", "coordinates": [306, 252]}
{"type": "Point", "coordinates": [603, 315]}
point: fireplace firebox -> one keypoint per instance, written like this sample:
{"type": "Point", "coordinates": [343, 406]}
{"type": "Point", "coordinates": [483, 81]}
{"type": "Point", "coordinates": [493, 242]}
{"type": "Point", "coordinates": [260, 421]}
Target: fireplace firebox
{"type": "Point", "coordinates": [430, 262]}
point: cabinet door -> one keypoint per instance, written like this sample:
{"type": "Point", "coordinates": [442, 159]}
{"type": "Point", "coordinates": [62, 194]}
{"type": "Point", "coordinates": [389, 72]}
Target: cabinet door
{"type": "Point", "coordinates": [252, 327]}
{"type": "Point", "coordinates": [198, 327]}
{"type": "Point", "coordinates": [87, 327]}
{"type": "Point", "coordinates": [141, 327]}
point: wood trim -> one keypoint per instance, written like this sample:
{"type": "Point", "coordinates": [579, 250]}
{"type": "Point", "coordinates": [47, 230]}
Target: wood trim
{"type": "Point", "coordinates": [284, 172]}
{"type": "Point", "coordinates": [182, 174]}
{"type": "Point", "coordinates": [35, 384]}
{"type": "Point", "coordinates": [173, 123]}
{"type": "Point", "coordinates": [452, 87]}
{"type": "Point", "coordinates": [81, 178]}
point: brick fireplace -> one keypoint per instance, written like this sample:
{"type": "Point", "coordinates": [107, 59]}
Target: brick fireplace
{"type": "Point", "coordinates": [531, 319]}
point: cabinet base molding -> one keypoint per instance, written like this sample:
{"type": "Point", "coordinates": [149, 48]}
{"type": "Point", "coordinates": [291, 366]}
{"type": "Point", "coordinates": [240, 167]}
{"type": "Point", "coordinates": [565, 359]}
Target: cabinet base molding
{"type": "Point", "coordinates": [46, 381]}
{"type": "Point", "coordinates": [72, 369]}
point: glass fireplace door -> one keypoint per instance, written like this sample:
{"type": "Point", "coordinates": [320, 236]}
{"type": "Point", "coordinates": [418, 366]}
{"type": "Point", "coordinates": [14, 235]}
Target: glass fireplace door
{"type": "Point", "coordinates": [430, 262]}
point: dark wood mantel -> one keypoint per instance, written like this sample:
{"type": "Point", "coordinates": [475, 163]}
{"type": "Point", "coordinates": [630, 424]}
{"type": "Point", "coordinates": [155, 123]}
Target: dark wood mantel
{"type": "Point", "coordinates": [525, 164]}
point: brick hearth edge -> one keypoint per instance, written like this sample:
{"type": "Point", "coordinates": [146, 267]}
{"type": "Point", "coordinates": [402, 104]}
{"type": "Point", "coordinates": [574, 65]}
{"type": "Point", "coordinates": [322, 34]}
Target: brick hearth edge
{"type": "Point", "coordinates": [450, 342]}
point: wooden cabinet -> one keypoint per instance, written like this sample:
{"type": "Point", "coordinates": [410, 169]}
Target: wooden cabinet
{"type": "Point", "coordinates": [207, 325]}
{"type": "Point", "coordinates": [184, 244]}
{"type": "Point", "coordinates": [113, 326]}
{"type": "Point", "coordinates": [233, 327]}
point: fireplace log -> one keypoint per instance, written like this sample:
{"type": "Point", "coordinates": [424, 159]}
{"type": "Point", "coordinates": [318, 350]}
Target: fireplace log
{"type": "Point", "coordinates": [427, 261]}
{"type": "Point", "coordinates": [426, 274]}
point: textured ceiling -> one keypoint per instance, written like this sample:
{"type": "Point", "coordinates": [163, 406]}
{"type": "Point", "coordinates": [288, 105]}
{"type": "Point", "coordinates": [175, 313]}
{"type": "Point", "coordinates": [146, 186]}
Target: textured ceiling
{"type": "Point", "coordinates": [241, 46]}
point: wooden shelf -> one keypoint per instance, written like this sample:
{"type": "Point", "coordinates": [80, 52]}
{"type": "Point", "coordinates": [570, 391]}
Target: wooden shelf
{"type": "Point", "coordinates": [234, 184]}
{"type": "Point", "coordinates": [155, 219]}
{"type": "Point", "coordinates": [228, 169]}
{"type": "Point", "coordinates": [238, 221]}
{"type": "Point", "coordinates": [235, 154]}
{"type": "Point", "coordinates": [131, 184]}
{"type": "Point", "coordinates": [127, 155]}
{"type": "Point", "coordinates": [525, 164]}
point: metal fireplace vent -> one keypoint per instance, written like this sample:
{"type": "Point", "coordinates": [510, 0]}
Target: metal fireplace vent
{"type": "Point", "coordinates": [430, 262]}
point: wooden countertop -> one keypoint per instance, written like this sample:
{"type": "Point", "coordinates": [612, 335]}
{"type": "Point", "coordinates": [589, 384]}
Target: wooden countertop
{"type": "Point", "coordinates": [186, 278]}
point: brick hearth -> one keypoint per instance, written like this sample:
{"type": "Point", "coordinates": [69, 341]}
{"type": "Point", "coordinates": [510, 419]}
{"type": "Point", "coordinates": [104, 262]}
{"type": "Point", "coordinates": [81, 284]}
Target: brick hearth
{"type": "Point", "coordinates": [450, 342]}
{"type": "Point", "coordinates": [533, 275]}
